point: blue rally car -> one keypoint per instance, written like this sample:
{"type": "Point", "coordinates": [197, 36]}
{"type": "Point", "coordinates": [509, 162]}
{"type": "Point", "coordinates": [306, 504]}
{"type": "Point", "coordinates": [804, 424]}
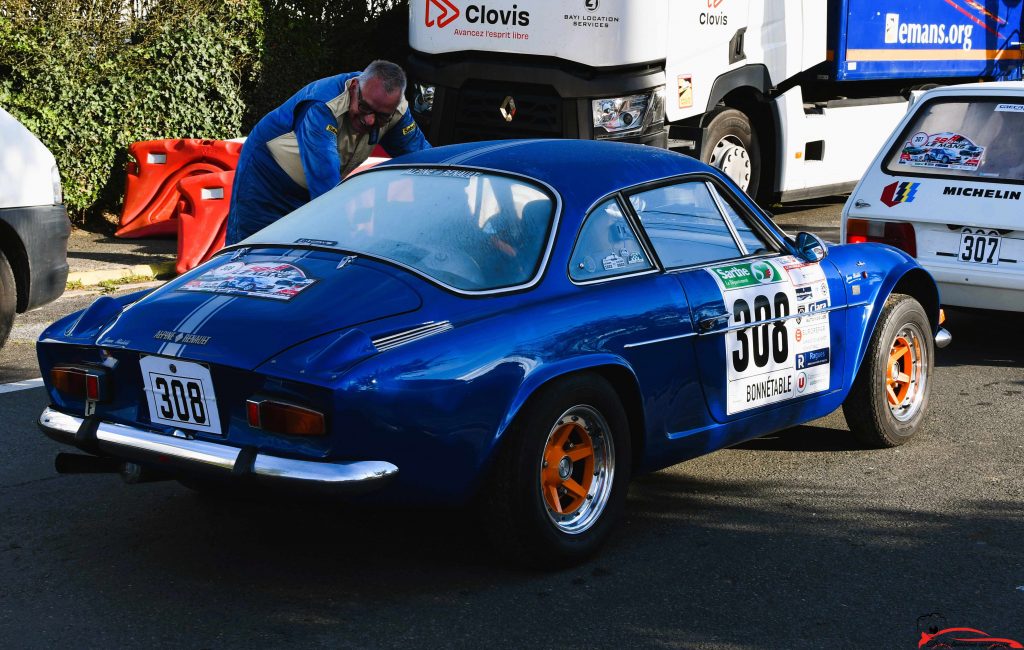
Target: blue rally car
{"type": "Point", "coordinates": [521, 325]}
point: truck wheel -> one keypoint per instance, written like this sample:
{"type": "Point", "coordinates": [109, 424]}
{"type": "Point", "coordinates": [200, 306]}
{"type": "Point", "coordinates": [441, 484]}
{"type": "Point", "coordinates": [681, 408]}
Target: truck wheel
{"type": "Point", "coordinates": [889, 397]}
{"type": "Point", "coordinates": [8, 298]}
{"type": "Point", "coordinates": [561, 476]}
{"type": "Point", "coordinates": [730, 145]}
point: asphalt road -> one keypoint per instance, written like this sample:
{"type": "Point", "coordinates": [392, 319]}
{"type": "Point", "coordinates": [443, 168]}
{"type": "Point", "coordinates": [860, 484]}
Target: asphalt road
{"type": "Point", "coordinates": [798, 540]}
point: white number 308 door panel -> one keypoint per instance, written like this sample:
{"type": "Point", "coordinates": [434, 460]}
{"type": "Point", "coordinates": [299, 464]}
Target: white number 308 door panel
{"type": "Point", "coordinates": [789, 356]}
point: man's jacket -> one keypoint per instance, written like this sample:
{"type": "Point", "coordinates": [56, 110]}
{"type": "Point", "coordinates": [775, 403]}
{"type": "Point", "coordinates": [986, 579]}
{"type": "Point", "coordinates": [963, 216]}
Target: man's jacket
{"type": "Point", "coordinates": [304, 148]}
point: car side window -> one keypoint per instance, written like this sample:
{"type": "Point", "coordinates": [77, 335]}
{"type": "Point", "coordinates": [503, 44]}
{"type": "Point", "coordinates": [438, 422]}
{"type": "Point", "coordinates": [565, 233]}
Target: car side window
{"type": "Point", "coordinates": [753, 241]}
{"type": "Point", "coordinates": [684, 224]}
{"type": "Point", "coordinates": [607, 246]}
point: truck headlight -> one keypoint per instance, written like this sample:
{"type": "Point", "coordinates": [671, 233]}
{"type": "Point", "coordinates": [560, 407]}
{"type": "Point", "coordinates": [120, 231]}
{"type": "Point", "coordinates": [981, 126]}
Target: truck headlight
{"type": "Point", "coordinates": [423, 100]}
{"type": "Point", "coordinates": [619, 115]}
{"type": "Point", "coordinates": [58, 191]}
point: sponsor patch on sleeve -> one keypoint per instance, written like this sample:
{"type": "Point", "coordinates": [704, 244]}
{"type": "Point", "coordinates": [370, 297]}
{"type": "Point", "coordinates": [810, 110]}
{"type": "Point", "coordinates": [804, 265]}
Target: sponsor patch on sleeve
{"type": "Point", "coordinates": [333, 129]}
{"type": "Point", "coordinates": [409, 129]}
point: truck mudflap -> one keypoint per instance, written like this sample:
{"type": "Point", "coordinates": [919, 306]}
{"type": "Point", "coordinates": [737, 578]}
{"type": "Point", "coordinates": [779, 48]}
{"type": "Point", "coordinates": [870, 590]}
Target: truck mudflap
{"type": "Point", "coordinates": [35, 241]}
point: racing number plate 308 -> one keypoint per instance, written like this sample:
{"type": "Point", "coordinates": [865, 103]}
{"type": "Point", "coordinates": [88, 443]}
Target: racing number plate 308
{"type": "Point", "coordinates": [180, 394]}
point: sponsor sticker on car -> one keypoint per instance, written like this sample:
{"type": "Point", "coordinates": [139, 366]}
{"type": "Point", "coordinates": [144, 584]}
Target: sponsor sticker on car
{"type": "Point", "coordinates": [788, 354]}
{"type": "Point", "coordinates": [276, 281]}
{"type": "Point", "coordinates": [945, 150]}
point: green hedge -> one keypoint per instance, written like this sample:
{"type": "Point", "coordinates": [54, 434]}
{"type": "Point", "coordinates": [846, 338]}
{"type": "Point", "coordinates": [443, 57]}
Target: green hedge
{"type": "Point", "coordinates": [91, 78]}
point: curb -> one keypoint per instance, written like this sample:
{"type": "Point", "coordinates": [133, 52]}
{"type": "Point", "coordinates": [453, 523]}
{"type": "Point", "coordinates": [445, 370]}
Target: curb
{"type": "Point", "coordinates": [152, 271]}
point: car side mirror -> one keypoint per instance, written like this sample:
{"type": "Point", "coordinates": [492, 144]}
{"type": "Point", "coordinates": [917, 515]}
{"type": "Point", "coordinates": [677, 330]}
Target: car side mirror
{"type": "Point", "coordinates": [810, 247]}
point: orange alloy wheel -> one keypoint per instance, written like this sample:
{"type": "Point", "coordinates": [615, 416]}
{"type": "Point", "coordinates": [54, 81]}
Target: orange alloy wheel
{"type": "Point", "coordinates": [576, 469]}
{"type": "Point", "coordinates": [570, 444]}
{"type": "Point", "coordinates": [897, 378]}
{"type": "Point", "coordinates": [906, 372]}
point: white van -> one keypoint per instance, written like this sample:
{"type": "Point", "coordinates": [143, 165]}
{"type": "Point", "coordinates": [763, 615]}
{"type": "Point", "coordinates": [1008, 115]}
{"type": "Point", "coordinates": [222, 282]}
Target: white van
{"type": "Point", "coordinates": [34, 224]}
{"type": "Point", "coordinates": [948, 188]}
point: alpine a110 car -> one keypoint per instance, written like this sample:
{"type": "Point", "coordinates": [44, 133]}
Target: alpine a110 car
{"type": "Point", "coordinates": [520, 325]}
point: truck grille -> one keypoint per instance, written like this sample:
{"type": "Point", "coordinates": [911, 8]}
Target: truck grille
{"type": "Point", "coordinates": [538, 113]}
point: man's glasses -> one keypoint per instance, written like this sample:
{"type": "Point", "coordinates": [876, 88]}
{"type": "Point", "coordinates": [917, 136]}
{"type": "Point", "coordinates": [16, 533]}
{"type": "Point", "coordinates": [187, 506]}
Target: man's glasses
{"type": "Point", "coordinates": [364, 109]}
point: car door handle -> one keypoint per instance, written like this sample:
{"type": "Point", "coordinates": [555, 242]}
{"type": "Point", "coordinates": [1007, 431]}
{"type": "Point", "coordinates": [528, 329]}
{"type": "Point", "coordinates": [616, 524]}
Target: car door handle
{"type": "Point", "coordinates": [860, 203]}
{"type": "Point", "coordinates": [708, 324]}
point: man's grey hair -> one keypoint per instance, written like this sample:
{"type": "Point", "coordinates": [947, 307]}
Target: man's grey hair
{"type": "Point", "coordinates": [389, 74]}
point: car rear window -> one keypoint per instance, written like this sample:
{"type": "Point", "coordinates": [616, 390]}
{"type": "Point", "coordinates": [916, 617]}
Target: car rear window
{"type": "Point", "coordinates": [467, 229]}
{"type": "Point", "coordinates": [979, 138]}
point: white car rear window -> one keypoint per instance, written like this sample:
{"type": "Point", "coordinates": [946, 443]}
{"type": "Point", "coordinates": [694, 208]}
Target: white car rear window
{"type": "Point", "coordinates": [966, 138]}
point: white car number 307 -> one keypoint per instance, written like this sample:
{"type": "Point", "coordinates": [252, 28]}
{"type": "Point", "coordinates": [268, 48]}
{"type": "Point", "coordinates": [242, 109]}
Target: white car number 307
{"type": "Point", "coordinates": [980, 246]}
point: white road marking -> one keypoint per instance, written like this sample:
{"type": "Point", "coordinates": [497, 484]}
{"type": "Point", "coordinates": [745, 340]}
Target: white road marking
{"type": "Point", "coordinates": [21, 385]}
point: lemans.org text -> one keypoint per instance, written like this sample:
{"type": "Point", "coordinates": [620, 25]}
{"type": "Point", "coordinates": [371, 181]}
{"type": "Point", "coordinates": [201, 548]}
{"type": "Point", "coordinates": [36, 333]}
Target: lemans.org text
{"type": "Point", "coordinates": [926, 33]}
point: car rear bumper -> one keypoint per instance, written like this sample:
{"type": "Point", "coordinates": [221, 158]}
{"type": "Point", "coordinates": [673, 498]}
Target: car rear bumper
{"type": "Point", "coordinates": [980, 288]}
{"type": "Point", "coordinates": [136, 445]}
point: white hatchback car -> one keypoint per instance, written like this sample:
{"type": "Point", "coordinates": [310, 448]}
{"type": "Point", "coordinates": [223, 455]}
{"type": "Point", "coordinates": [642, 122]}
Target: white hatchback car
{"type": "Point", "coordinates": [948, 188]}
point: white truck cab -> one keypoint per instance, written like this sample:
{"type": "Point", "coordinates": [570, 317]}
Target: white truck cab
{"type": "Point", "coordinates": [789, 98]}
{"type": "Point", "coordinates": [34, 224]}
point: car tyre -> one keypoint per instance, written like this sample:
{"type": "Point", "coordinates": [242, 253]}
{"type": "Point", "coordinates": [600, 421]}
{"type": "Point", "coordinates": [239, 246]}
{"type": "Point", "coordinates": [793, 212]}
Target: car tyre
{"type": "Point", "coordinates": [561, 476]}
{"type": "Point", "coordinates": [8, 298]}
{"type": "Point", "coordinates": [889, 397]}
{"type": "Point", "coordinates": [731, 146]}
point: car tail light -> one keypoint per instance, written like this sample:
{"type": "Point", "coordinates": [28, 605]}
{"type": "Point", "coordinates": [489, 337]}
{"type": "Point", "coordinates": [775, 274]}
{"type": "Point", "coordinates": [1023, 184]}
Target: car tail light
{"type": "Point", "coordinates": [78, 382]}
{"type": "Point", "coordinates": [900, 235]}
{"type": "Point", "coordinates": [279, 417]}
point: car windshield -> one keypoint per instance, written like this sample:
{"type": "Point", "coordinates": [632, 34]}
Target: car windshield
{"type": "Point", "coordinates": [965, 138]}
{"type": "Point", "coordinates": [468, 229]}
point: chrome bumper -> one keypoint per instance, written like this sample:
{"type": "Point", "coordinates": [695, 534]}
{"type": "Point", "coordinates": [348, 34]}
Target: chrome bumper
{"type": "Point", "coordinates": [135, 444]}
{"type": "Point", "coordinates": [943, 338]}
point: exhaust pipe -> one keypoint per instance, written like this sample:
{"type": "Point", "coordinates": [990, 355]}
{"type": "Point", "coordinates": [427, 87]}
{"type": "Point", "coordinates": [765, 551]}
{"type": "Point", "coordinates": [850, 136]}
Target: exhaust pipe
{"type": "Point", "coordinates": [66, 463]}
{"type": "Point", "coordinates": [131, 473]}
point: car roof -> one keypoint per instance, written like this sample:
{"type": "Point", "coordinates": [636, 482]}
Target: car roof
{"type": "Point", "coordinates": [584, 169]}
{"type": "Point", "coordinates": [986, 88]}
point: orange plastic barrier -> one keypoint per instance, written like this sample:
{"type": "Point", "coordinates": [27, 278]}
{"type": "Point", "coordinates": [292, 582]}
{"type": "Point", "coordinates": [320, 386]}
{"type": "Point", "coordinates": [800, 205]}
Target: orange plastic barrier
{"type": "Point", "coordinates": [202, 217]}
{"type": "Point", "coordinates": [151, 187]}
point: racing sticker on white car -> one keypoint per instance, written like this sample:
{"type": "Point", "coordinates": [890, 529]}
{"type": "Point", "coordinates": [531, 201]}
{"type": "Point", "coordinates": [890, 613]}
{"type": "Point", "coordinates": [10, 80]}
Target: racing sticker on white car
{"type": "Point", "coordinates": [267, 280]}
{"type": "Point", "coordinates": [946, 150]}
{"type": "Point", "coordinates": [790, 355]}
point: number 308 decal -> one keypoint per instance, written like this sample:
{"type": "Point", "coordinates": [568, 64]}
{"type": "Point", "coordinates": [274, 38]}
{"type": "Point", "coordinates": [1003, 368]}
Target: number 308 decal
{"type": "Point", "coordinates": [770, 341]}
{"type": "Point", "coordinates": [778, 344]}
{"type": "Point", "coordinates": [180, 399]}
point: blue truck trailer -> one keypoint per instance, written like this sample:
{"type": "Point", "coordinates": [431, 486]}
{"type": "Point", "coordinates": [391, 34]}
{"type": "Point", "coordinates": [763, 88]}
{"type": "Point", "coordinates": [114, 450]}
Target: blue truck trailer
{"type": "Point", "coordinates": [790, 98]}
{"type": "Point", "coordinates": [914, 39]}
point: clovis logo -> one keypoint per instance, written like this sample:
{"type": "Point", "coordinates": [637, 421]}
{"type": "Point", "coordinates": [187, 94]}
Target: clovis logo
{"type": "Point", "coordinates": [448, 13]}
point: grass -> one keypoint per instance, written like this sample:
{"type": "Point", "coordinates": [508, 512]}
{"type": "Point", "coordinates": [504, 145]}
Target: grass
{"type": "Point", "coordinates": [74, 284]}
{"type": "Point", "coordinates": [110, 286]}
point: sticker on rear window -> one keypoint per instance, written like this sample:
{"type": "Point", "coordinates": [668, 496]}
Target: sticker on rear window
{"type": "Point", "coordinates": [259, 280]}
{"type": "Point", "coordinates": [1010, 108]}
{"type": "Point", "coordinates": [449, 173]}
{"type": "Point", "coordinates": [946, 150]}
